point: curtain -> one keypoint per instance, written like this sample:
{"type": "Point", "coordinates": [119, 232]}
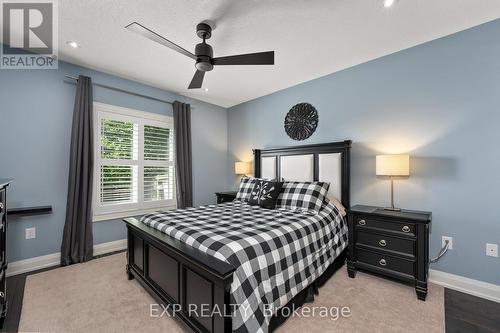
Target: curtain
{"type": "Point", "coordinates": [184, 176]}
{"type": "Point", "coordinates": [77, 242]}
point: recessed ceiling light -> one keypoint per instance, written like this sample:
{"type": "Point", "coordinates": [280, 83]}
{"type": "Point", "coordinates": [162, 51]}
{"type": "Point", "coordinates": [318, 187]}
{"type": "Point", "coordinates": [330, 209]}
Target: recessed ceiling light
{"type": "Point", "coordinates": [73, 44]}
{"type": "Point", "coordinates": [206, 89]}
{"type": "Point", "coordinates": [388, 3]}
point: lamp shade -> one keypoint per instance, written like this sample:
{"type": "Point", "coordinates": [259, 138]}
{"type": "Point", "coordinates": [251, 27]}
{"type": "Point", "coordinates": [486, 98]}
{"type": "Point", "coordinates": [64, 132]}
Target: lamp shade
{"type": "Point", "coordinates": [242, 168]}
{"type": "Point", "coordinates": [393, 165]}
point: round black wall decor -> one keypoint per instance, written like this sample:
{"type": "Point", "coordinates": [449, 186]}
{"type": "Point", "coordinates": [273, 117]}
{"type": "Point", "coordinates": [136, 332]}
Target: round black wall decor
{"type": "Point", "coordinates": [301, 121]}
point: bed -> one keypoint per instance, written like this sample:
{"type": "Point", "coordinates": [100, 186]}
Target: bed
{"type": "Point", "coordinates": [205, 260]}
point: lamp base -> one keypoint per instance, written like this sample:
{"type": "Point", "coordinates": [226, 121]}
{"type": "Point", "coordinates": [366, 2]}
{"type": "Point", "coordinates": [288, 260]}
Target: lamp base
{"type": "Point", "coordinates": [393, 209]}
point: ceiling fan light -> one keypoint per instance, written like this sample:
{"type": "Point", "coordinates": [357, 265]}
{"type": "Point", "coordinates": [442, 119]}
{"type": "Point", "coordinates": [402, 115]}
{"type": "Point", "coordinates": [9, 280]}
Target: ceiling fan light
{"type": "Point", "coordinates": [388, 3]}
{"type": "Point", "coordinates": [204, 66]}
{"type": "Point", "coordinates": [72, 43]}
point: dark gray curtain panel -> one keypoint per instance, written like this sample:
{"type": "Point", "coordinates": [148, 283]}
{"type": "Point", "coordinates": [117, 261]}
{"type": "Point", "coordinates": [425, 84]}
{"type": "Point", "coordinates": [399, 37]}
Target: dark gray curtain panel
{"type": "Point", "coordinates": [77, 242]}
{"type": "Point", "coordinates": [184, 169]}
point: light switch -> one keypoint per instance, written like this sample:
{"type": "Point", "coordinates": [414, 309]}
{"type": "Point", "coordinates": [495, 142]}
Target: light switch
{"type": "Point", "coordinates": [30, 233]}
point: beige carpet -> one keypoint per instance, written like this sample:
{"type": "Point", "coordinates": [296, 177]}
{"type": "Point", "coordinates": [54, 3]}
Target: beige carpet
{"type": "Point", "coordinates": [97, 297]}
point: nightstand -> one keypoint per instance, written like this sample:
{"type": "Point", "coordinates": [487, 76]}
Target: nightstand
{"type": "Point", "coordinates": [225, 196]}
{"type": "Point", "coordinates": [394, 244]}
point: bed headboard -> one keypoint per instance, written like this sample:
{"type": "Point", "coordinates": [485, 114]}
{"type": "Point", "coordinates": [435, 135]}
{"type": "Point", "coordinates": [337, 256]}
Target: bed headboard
{"type": "Point", "coordinates": [327, 162]}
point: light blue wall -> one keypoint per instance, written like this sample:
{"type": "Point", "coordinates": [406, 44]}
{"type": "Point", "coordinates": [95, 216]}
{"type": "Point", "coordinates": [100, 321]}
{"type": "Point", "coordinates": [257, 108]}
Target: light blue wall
{"type": "Point", "coordinates": [439, 102]}
{"type": "Point", "coordinates": [35, 124]}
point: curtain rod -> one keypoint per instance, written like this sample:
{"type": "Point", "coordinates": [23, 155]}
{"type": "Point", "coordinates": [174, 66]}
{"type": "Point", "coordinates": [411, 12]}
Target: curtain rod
{"type": "Point", "coordinates": [122, 90]}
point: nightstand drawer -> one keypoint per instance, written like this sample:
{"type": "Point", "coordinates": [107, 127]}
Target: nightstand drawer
{"type": "Point", "coordinates": [400, 227]}
{"type": "Point", "coordinates": [225, 196]}
{"type": "Point", "coordinates": [383, 242]}
{"type": "Point", "coordinates": [224, 199]}
{"type": "Point", "coordinates": [386, 262]}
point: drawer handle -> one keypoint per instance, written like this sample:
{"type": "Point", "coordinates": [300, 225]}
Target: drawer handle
{"type": "Point", "coordinates": [382, 262]}
{"type": "Point", "coordinates": [382, 242]}
{"type": "Point", "coordinates": [406, 228]}
{"type": "Point", "coordinates": [361, 222]}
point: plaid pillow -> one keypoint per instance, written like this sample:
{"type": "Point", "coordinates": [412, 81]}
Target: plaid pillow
{"type": "Point", "coordinates": [303, 196]}
{"type": "Point", "coordinates": [245, 189]}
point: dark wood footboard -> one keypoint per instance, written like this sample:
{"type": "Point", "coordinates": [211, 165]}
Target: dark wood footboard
{"type": "Point", "coordinates": [189, 282]}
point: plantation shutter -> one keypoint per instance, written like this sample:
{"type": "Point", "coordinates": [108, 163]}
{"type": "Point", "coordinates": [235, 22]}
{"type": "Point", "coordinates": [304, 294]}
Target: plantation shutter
{"type": "Point", "coordinates": [158, 164]}
{"type": "Point", "coordinates": [119, 147]}
{"type": "Point", "coordinates": [135, 171]}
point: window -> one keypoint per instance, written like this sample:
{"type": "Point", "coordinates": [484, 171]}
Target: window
{"type": "Point", "coordinates": [133, 162]}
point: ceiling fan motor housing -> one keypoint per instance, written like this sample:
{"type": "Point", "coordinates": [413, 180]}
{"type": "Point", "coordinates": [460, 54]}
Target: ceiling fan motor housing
{"type": "Point", "coordinates": [204, 55]}
{"type": "Point", "coordinates": [204, 31]}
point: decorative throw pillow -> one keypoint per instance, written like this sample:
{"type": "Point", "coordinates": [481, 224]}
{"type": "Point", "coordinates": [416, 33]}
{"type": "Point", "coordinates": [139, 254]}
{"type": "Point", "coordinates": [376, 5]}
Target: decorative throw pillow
{"type": "Point", "coordinates": [303, 196]}
{"type": "Point", "coordinates": [336, 202]}
{"type": "Point", "coordinates": [246, 187]}
{"type": "Point", "coordinates": [265, 193]}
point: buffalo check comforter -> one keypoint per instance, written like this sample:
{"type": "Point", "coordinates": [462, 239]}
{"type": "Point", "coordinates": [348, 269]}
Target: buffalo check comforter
{"type": "Point", "coordinates": [277, 253]}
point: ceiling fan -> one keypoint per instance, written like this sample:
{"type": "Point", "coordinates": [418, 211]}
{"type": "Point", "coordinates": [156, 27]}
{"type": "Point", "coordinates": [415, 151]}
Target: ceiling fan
{"type": "Point", "coordinates": [203, 53]}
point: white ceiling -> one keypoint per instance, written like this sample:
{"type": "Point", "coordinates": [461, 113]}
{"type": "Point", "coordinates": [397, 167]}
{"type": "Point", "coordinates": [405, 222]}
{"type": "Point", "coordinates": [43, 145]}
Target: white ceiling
{"type": "Point", "coordinates": [311, 38]}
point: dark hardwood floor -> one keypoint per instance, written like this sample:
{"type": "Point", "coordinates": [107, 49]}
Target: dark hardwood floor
{"type": "Point", "coordinates": [15, 293]}
{"type": "Point", "coordinates": [469, 314]}
{"type": "Point", "coordinates": [463, 313]}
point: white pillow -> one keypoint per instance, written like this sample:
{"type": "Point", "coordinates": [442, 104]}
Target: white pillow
{"type": "Point", "coordinates": [336, 202]}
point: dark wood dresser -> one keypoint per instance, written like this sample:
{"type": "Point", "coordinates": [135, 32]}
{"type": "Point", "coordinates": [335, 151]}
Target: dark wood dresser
{"type": "Point", "coordinates": [225, 196]}
{"type": "Point", "coordinates": [394, 244]}
{"type": "Point", "coordinates": [4, 183]}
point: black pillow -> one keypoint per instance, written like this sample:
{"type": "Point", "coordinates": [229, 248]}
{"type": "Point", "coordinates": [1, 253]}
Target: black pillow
{"type": "Point", "coordinates": [265, 193]}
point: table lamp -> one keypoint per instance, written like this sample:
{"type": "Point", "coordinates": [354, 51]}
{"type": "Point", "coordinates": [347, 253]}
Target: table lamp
{"type": "Point", "coordinates": [242, 168]}
{"type": "Point", "coordinates": [393, 166]}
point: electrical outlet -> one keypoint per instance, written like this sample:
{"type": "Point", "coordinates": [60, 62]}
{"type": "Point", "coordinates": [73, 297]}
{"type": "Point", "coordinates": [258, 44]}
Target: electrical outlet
{"type": "Point", "coordinates": [30, 233]}
{"type": "Point", "coordinates": [492, 250]}
{"type": "Point", "coordinates": [450, 242]}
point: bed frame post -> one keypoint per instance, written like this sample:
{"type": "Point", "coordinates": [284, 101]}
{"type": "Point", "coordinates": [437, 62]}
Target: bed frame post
{"type": "Point", "coordinates": [346, 174]}
{"type": "Point", "coordinates": [256, 163]}
{"type": "Point", "coordinates": [130, 276]}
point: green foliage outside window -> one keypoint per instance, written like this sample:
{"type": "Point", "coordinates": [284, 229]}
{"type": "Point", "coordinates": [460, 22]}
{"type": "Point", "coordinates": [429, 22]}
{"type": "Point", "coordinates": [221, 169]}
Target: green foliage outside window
{"type": "Point", "coordinates": [117, 143]}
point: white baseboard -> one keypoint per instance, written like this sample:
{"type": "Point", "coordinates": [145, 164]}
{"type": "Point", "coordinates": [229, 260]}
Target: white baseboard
{"type": "Point", "coordinates": [54, 259]}
{"type": "Point", "coordinates": [109, 247]}
{"type": "Point", "coordinates": [473, 287]}
{"type": "Point", "coordinates": [33, 264]}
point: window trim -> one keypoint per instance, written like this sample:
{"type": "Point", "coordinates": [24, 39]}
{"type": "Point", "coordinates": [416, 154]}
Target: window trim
{"type": "Point", "coordinates": [100, 213]}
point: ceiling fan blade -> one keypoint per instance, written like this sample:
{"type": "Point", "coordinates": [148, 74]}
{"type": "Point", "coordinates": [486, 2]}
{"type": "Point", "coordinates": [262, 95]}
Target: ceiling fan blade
{"type": "Point", "coordinates": [197, 80]}
{"type": "Point", "coordinates": [142, 30]}
{"type": "Point", "coordinates": [260, 58]}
